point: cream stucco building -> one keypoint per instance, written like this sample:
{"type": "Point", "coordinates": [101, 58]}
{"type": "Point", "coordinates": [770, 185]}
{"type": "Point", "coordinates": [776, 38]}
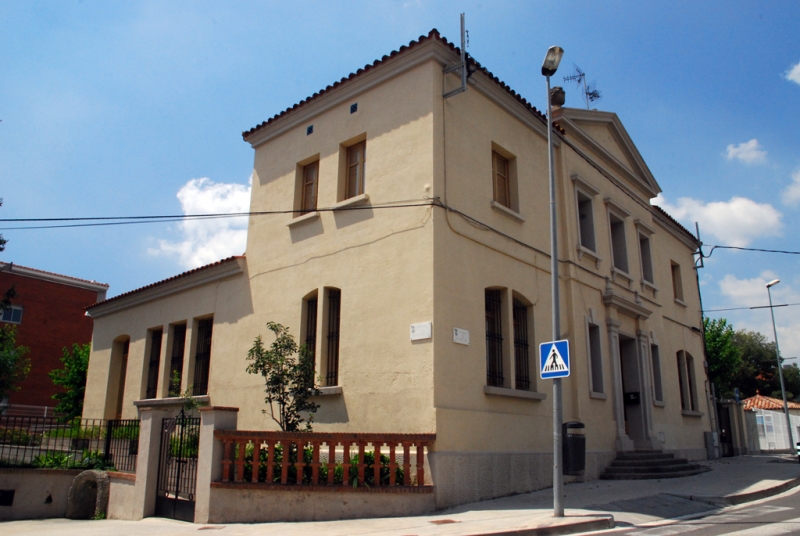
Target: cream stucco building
{"type": "Point", "coordinates": [379, 205]}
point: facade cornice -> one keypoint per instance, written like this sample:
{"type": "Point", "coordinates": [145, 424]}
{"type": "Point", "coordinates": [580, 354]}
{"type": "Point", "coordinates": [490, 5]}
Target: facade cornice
{"type": "Point", "coordinates": [623, 304]}
{"type": "Point", "coordinates": [431, 50]}
{"type": "Point", "coordinates": [10, 267]}
{"type": "Point", "coordinates": [213, 273]}
{"type": "Point", "coordinates": [678, 232]}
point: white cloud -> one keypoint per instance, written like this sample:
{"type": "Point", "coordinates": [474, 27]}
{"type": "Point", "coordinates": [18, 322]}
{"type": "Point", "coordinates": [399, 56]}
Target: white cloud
{"type": "Point", "coordinates": [793, 74]}
{"type": "Point", "coordinates": [749, 152]}
{"type": "Point", "coordinates": [209, 240]}
{"type": "Point", "coordinates": [737, 222]}
{"type": "Point", "coordinates": [791, 195]}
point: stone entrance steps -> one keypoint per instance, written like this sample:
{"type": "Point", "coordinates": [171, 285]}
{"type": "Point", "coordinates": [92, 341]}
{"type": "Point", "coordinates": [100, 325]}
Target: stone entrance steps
{"type": "Point", "coordinates": [650, 464]}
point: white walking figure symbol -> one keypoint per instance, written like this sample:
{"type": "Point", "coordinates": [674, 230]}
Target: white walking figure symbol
{"type": "Point", "coordinates": [555, 363]}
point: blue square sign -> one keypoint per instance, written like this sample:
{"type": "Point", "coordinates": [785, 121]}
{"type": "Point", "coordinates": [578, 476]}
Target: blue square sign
{"type": "Point", "coordinates": [554, 359]}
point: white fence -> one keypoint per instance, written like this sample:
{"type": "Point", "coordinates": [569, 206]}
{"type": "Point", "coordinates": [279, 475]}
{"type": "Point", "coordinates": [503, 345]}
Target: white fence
{"type": "Point", "coordinates": [771, 427]}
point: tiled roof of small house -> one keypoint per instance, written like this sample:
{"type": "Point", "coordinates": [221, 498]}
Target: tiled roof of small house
{"type": "Point", "coordinates": [433, 34]}
{"type": "Point", "coordinates": [44, 272]}
{"type": "Point", "coordinates": [767, 402]}
{"type": "Point", "coordinates": [168, 280]}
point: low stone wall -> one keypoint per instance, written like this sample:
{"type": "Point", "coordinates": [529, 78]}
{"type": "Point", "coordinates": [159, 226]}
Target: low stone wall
{"type": "Point", "coordinates": [234, 504]}
{"type": "Point", "coordinates": [38, 493]}
{"type": "Point", "coordinates": [121, 497]}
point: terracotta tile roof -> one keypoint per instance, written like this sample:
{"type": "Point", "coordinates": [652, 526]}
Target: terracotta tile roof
{"type": "Point", "coordinates": [767, 402]}
{"type": "Point", "coordinates": [168, 280]}
{"type": "Point", "coordinates": [673, 220]}
{"type": "Point", "coordinates": [433, 34]}
{"type": "Point", "coordinates": [78, 279]}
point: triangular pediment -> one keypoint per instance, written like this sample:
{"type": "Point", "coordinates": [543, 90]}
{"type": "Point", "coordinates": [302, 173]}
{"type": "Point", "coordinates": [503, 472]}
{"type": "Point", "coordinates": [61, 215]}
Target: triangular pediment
{"type": "Point", "coordinates": [604, 136]}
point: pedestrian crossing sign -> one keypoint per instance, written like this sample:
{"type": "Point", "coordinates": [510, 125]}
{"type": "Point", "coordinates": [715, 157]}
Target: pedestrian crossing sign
{"type": "Point", "coordinates": [554, 359]}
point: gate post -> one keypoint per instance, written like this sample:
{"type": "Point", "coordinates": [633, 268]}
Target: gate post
{"type": "Point", "coordinates": [144, 495]}
{"type": "Point", "coordinates": [209, 462]}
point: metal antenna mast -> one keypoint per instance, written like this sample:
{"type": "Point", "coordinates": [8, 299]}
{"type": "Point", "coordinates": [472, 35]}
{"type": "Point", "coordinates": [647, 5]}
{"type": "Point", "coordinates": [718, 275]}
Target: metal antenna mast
{"type": "Point", "coordinates": [590, 94]}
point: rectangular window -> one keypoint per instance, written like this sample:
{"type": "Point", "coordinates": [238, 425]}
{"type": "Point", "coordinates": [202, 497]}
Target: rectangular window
{"type": "Point", "coordinates": [647, 261]}
{"type": "Point", "coordinates": [501, 179]}
{"type": "Point", "coordinates": [682, 378]}
{"type": "Point", "coordinates": [655, 357]}
{"type": "Point", "coordinates": [123, 372]}
{"type": "Point", "coordinates": [356, 163]}
{"type": "Point", "coordinates": [334, 320]}
{"type": "Point", "coordinates": [202, 357]}
{"type": "Point", "coordinates": [155, 358]}
{"type": "Point", "coordinates": [309, 194]}
{"type": "Point", "coordinates": [311, 328]}
{"type": "Point", "coordinates": [619, 249]}
{"type": "Point", "coordinates": [586, 222]}
{"type": "Point", "coordinates": [521, 346]}
{"type": "Point", "coordinates": [176, 359]}
{"type": "Point", "coordinates": [691, 382]}
{"type": "Point", "coordinates": [494, 338]}
{"type": "Point", "coordinates": [596, 359]}
{"type": "Point", "coordinates": [677, 284]}
{"type": "Point", "coordinates": [13, 314]}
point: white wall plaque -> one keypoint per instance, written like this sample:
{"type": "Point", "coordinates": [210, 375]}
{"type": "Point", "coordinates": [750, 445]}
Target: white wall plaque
{"type": "Point", "coordinates": [420, 331]}
{"type": "Point", "coordinates": [461, 336]}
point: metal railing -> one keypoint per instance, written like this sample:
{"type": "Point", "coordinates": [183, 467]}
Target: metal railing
{"type": "Point", "coordinates": [320, 461]}
{"type": "Point", "coordinates": [52, 443]}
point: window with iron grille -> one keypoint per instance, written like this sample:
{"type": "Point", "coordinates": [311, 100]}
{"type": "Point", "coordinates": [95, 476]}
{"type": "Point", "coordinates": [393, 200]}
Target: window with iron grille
{"type": "Point", "coordinates": [122, 347]}
{"type": "Point", "coordinates": [658, 389]}
{"type": "Point", "coordinates": [521, 352]}
{"type": "Point", "coordinates": [155, 358]}
{"type": "Point", "coordinates": [311, 327]}
{"type": "Point", "coordinates": [334, 313]}
{"type": "Point", "coordinates": [596, 359]}
{"type": "Point", "coordinates": [202, 357]}
{"type": "Point", "coordinates": [494, 338]}
{"type": "Point", "coordinates": [356, 163]}
{"type": "Point", "coordinates": [309, 194]}
{"type": "Point", "coordinates": [681, 358]}
{"type": "Point", "coordinates": [176, 359]}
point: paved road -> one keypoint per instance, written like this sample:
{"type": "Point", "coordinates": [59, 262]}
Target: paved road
{"type": "Point", "coordinates": [770, 517]}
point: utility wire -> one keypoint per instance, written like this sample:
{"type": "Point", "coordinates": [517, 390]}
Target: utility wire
{"type": "Point", "coordinates": [752, 249]}
{"type": "Point", "coordinates": [747, 308]}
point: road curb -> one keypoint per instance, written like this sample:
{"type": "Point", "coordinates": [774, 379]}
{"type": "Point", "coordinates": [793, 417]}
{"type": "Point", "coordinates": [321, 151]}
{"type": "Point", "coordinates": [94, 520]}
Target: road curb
{"type": "Point", "coordinates": [582, 524]}
{"type": "Point", "coordinates": [730, 500]}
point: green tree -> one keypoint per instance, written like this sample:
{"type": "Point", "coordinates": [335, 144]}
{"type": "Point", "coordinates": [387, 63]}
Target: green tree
{"type": "Point", "coordinates": [757, 371]}
{"type": "Point", "coordinates": [724, 357]}
{"type": "Point", "coordinates": [14, 363]}
{"type": "Point", "coordinates": [72, 378]}
{"type": "Point", "coordinates": [791, 380]}
{"type": "Point", "coordinates": [289, 379]}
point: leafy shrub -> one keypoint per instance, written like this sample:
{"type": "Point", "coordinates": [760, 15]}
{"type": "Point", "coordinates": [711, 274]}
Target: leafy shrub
{"type": "Point", "coordinates": [53, 460]}
{"type": "Point", "coordinates": [17, 436]}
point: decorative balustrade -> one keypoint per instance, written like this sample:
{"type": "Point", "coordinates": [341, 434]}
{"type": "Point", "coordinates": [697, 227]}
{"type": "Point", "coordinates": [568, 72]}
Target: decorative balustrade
{"type": "Point", "coordinates": [324, 461]}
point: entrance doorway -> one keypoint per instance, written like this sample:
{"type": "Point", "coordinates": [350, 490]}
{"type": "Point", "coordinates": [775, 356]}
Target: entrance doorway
{"type": "Point", "coordinates": [630, 365]}
{"type": "Point", "coordinates": [177, 467]}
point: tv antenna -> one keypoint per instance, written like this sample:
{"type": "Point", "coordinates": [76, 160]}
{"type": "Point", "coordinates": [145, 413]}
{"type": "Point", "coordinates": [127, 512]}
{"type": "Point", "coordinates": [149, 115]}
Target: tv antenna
{"type": "Point", "coordinates": [590, 93]}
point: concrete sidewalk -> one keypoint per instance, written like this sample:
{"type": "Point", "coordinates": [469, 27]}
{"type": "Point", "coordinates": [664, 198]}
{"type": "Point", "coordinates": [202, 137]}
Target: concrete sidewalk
{"type": "Point", "coordinates": [589, 507]}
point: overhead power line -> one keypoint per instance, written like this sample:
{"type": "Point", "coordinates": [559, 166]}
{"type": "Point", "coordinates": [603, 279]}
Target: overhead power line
{"type": "Point", "coordinates": [747, 308]}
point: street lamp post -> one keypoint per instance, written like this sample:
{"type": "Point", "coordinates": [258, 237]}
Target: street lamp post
{"type": "Point", "coordinates": [780, 366]}
{"type": "Point", "coordinates": [549, 68]}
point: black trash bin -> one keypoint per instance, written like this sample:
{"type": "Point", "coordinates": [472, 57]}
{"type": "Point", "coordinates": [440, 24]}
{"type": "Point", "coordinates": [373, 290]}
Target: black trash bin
{"type": "Point", "coordinates": [573, 448]}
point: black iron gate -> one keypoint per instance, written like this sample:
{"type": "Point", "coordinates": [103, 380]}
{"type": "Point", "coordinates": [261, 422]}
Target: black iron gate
{"type": "Point", "coordinates": [177, 467]}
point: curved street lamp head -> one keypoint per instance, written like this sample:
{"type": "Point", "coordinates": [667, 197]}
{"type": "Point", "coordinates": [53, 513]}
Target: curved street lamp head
{"type": "Point", "coordinates": [773, 283]}
{"type": "Point", "coordinates": [551, 60]}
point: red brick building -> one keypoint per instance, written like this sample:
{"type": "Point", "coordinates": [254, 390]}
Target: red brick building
{"type": "Point", "coordinates": [48, 311]}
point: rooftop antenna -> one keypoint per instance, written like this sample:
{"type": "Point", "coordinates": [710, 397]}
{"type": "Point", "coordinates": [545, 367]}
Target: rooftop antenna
{"type": "Point", "coordinates": [462, 65]}
{"type": "Point", "coordinates": [590, 94]}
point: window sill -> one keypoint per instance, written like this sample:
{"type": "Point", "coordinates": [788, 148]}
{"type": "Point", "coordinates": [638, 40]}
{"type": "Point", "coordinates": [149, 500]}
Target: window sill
{"type": "Point", "coordinates": [618, 273]}
{"type": "Point", "coordinates": [688, 413]}
{"type": "Point", "coordinates": [303, 219]}
{"type": "Point", "coordinates": [598, 396]}
{"type": "Point", "coordinates": [507, 212]}
{"type": "Point", "coordinates": [362, 199]}
{"type": "Point", "coordinates": [583, 250]}
{"type": "Point", "coordinates": [647, 284]}
{"type": "Point", "coordinates": [513, 393]}
{"type": "Point", "coordinates": [659, 403]}
{"type": "Point", "coordinates": [681, 302]}
{"type": "Point", "coordinates": [330, 390]}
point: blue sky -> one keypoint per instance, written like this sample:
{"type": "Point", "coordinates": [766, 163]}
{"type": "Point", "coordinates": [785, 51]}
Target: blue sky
{"type": "Point", "coordinates": [137, 108]}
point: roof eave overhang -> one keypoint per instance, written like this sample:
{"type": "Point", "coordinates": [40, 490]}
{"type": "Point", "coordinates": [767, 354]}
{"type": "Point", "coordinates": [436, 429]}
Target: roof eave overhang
{"type": "Point", "coordinates": [53, 278]}
{"type": "Point", "coordinates": [203, 277]}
